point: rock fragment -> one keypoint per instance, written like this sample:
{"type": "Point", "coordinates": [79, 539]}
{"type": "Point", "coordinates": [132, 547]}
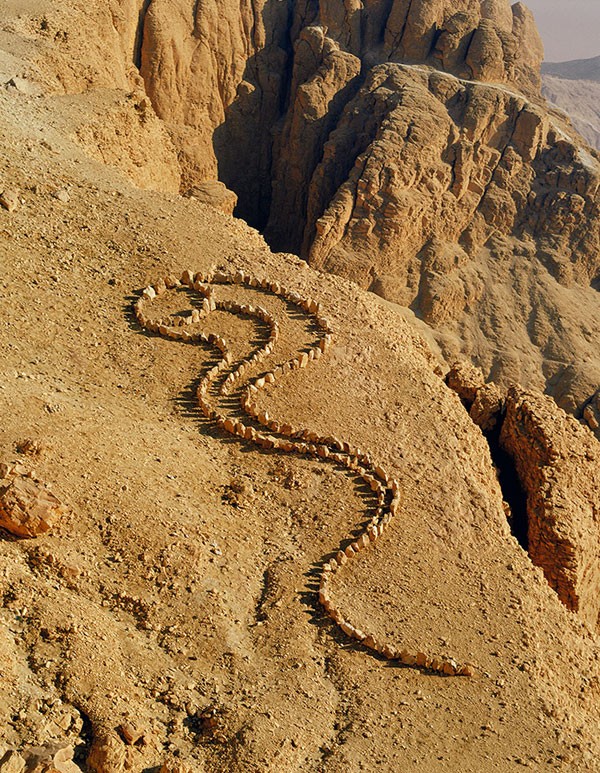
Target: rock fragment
{"type": "Point", "coordinates": [107, 754]}
{"type": "Point", "coordinates": [215, 194]}
{"type": "Point", "coordinates": [176, 766]}
{"type": "Point", "coordinates": [9, 199]}
{"type": "Point", "coordinates": [130, 732]}
{"type": "Point", "coordinates": [62, 194]}
{"type": "Point", "coordinates": [27, 507]}
{"type": "Point", "coordinates": [12, 762]}
{"type": "Point", "coordinates": [465, 379]}
{"type": "Point", "coordinates": [51, 759]}
{"type": "Point", "coordinates": [487, 407]}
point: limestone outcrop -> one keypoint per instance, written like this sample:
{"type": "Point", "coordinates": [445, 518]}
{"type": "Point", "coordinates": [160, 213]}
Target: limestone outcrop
{"type": "Point", "coordinates": [558, 463]}
{"type": "Point", "coordinates": [406, 148]}
{"type": "Point", "coordinates": [555, 462]}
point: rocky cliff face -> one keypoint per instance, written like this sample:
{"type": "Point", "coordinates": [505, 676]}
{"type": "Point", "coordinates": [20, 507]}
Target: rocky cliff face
{"type": "Point", "coordinates": [548, 469]}
{"type": "Point", "coordinates": [227, 79]}
{"type": "Point", "coordinates": [404, 145]}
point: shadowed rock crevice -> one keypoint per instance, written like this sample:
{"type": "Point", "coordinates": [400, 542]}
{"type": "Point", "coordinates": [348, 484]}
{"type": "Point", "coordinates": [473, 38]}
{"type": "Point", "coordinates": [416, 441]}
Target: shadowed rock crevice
{"type": "Point", "coordinates": [548, 471]}
{"type": "Point", "coordinates": [512, 489]}
{"type": "Point", "coordinates": [139, 35]}
{"type": "Point", "coordinates": [243, 143]}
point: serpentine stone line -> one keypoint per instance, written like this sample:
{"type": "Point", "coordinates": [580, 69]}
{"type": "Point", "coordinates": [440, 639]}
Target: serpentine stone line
{"type": "Point", "coordinates": [228, 379]}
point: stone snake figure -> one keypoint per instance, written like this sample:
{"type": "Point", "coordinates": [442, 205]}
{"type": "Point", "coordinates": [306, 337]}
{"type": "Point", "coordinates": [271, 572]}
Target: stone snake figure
{"type": "Point", "coordinates": [229, 379]}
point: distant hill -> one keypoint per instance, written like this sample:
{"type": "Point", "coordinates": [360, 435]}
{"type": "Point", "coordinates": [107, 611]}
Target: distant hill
{"type": "Point", "coordinates": [578, 97]}
{"type": "Point", "coordinates": [576, 69]}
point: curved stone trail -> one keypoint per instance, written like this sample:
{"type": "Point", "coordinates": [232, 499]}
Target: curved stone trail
{"type": "Point", "coordinates": [227, 395]}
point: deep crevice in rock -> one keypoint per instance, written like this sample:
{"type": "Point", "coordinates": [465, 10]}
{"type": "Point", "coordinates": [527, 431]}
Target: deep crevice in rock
{"type": "Point", "coordinates": [513, 492]}
{"type": "Point", "coordinates": [139, 35]}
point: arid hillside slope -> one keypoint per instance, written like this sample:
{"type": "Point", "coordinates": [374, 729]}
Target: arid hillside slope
{"type": "Point", "coordinates": [574, 87]}
{"type": "Point", "coordinates": [172, 619]}
{"type": "Point", "coordinates": [404, 145]}
{"type": "Point", "coordinates": [575, 69]}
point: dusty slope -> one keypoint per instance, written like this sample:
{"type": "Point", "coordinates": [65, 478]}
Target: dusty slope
{"type": "Point", "coordinates": [181, 580]}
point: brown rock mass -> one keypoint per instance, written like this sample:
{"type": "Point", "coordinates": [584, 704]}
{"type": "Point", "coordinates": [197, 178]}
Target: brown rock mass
{"type": "Point", "coordinates": [183, 599]}
{"type": "Point", "coordinates": [27, 507]}
{"type": "Point", "coordinates": [558, 463]}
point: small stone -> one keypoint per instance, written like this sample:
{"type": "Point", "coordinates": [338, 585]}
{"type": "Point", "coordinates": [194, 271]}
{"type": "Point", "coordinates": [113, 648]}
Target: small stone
{"type": "Point", "coordinates": [175, 766]}
{"type": "Point", "coordinates": [9, 199]}
{"type": "Point", "coordinates": [130, 732]}
{"type": "Point", "coordinates": [448, 668]}
{"type": "Point", "coordinates": [62, 194]}
{"type": "Point", "coordinates": [30, 447]}
{"type": "Point", "coordinates": [421, 659]}
{"type": "Point", "coordinates": [107, 754]}
{"type": "Point", "coordinates": [591, 418]}
{"type": "Point", "coordinates": [12, 762]}
{"type": "Point", "coordinates": [187, 278]}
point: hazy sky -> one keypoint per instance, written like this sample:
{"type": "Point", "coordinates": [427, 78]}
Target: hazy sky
{"type": "Point", "coordinates": [570, 28]}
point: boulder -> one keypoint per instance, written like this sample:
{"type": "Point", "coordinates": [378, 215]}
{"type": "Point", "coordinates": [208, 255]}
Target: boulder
{"type": "Point", "coordinates": [27, 507]}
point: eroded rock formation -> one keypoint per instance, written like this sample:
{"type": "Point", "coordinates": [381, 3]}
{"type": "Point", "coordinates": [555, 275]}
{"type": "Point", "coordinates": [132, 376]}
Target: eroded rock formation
{"type": "Point", "coordinates": [27, 507]}
{"type": "Point", "coordinates": [551, 460]}
{"type": "Point", "coordinates": [402, 144]}
{"type": "Point", "coordinates": [558, 463]}
{"type": "Point", "coordinates": [406, 147]}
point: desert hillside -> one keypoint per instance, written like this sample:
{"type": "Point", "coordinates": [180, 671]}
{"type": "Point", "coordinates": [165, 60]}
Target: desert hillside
{"type": "Point", "coordinates": [405, 146]}
{"type": "Point", "coordinates": [580, 99]}
{"type": "Point", "coordinates": [250, 519]}
{"type": "Point", "coordinates": [576, 69]}
{"type": "Point", "coordinates": [575, 88]}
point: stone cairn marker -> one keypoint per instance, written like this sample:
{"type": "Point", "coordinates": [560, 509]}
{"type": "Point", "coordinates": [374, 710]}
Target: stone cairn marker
{"type": "Point", "coordinates": [229, 379]}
